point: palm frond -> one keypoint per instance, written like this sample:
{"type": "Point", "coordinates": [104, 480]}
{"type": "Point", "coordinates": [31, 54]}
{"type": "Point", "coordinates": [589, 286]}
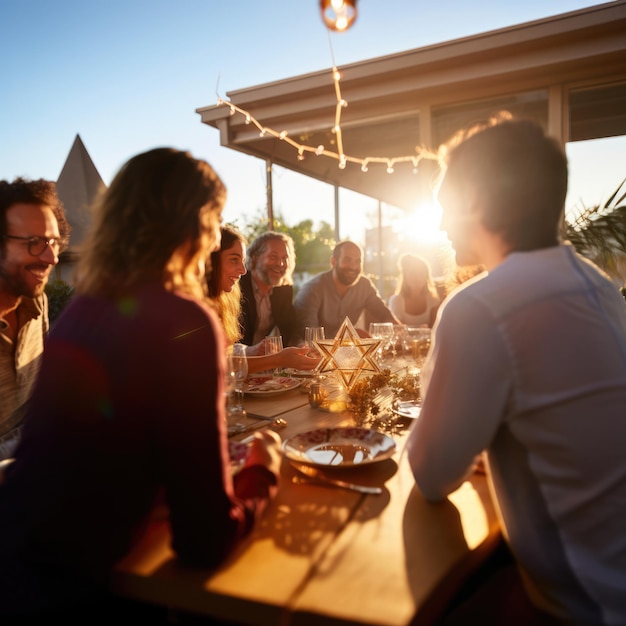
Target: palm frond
{"type": "Point", "coordinates": [599, 232]}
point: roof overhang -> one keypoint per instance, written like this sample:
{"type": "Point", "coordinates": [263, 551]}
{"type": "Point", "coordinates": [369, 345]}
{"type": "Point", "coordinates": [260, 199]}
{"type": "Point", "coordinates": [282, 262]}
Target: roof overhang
{"type": "Point", "coordinates": [391, 99]}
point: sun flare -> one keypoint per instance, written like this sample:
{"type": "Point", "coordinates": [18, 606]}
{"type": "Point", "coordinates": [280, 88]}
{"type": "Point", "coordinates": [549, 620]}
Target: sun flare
{"type": "Point", "coordinates": [421, 225]}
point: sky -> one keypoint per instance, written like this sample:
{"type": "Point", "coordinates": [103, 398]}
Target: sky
{"type": "Point", "coordinates": [128, 76]}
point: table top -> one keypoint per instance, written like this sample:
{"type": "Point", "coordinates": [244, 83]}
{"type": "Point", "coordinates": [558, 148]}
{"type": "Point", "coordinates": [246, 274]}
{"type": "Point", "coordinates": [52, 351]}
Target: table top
{"type": "Point", "coordinates": [322, 554]}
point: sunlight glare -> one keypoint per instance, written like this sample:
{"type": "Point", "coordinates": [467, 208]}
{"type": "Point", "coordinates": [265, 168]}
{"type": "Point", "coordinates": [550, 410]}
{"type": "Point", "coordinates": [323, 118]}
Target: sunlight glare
{"type": "Point", "coordinates": [421, 225]}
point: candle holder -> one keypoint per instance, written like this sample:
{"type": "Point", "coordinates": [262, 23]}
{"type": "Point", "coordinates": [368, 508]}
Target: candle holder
{"type": "Point", "coordinates": [348, 356]}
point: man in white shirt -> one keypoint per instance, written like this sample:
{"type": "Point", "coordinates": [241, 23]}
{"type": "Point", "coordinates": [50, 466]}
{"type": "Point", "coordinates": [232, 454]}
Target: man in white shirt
{"type": "Point", "coordinates": [528, 363]}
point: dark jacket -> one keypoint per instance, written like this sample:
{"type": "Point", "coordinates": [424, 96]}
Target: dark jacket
{"type": "Point", "coordinates": [281, 301]}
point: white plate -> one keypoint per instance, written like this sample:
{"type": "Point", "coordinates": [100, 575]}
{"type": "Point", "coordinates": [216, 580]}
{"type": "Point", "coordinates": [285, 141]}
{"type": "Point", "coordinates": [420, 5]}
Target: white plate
{"type": "Point", "coordinates": [339, 447]}
{"type": "Point", "coordinates": [270, 385]}
{"type": "Point", "coordinates": [238, 452]}
{"type": "Point", "coordinates": [409, 409]}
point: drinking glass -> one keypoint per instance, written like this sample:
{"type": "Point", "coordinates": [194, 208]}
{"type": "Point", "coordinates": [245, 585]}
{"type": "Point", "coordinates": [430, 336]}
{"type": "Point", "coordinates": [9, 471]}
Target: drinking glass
{"type": "Point", "coordinates": [237, 370]}
{"type": "Point", "coordinates": [397, 342]}
{"type": "Point", "coordinates": [383, 331]}
{"type": "Point", "coordinates": [273, 345]}
{"type": "Point", "coordinates": [311, 335]}
{"type": "Point", "coordinates": [418, 341]}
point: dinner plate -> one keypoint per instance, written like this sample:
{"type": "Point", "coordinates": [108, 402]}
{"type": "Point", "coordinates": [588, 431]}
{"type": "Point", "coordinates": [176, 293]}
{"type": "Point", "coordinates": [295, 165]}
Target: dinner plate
{"type": "Point", "coordinates": [409, 409]}
{"type": "Point", "coordinates": [339, 447]}
{"type": "Point", "coordinates": [238, 452]}
{"type": "Point", "coordinates": [270, 385]}
{"type": "Point", "coordinates": [290, 371]}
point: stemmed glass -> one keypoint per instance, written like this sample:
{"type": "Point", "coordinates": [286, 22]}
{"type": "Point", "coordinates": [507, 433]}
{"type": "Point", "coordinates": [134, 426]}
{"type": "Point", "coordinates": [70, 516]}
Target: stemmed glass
{"type": "Point", "coordinates": [311, 335]}
{"type": "Point", "coordinates": [418, 340]}
{"type": "Point", "coordinates": [383, 331]}
{"type": "Point", "coordinates": [273, 345]}
{"type": "Point", "coordinates": [237, 370]}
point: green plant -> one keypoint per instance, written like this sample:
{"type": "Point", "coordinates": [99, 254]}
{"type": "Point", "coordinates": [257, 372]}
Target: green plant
{"type": "Point", "coordinates": [599, 233]}
{"type": "Point", "coordinates": [59, 294]}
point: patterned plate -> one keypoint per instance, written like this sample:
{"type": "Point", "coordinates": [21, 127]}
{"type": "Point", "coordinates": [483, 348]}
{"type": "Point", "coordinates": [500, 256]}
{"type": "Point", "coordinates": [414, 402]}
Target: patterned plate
{"type": "Point", "coordinates": [270, 385]}
{"type": "Point", "coordinates": [339, 447]}
{"type": "Point", "coordinates": [408, 409]}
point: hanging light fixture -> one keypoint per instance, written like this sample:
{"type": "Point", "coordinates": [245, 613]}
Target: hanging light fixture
{"type": "Point", "coordinates": [338, 15]}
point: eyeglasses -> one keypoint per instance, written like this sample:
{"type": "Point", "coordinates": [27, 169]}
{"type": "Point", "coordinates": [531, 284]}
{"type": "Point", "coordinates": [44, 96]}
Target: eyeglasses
{"type": "Point", "coordinates": [37, 245]}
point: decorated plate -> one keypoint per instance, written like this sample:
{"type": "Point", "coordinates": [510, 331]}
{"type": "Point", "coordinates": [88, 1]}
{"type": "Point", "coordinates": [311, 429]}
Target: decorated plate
{"type": "Point", "coordinates": [339, 447]}
{"type": "Point", "coordinates": [270, 385]}
{"type": "Point", "coordinates": [409, 409]}
{"type": "Point", "coordinates": [290, 371]}
{"type": "Point", "coordinates": [238, 452]}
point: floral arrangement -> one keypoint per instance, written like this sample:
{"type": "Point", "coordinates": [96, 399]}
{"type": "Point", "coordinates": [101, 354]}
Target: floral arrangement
{"type": "Point", "coordinates": [371, 396]}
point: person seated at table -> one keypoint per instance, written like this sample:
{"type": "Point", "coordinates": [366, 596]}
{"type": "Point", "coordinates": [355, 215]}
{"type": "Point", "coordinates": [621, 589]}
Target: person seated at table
{"type": "Point", "coordinates": [227, 266]}
{"type": "Point", "coordinates": [128, 411]}
{"type": "Point", "coordinates": [528, 363]}
{"type": "Point", "coordinates": [33, 234]}
{"type": "Point", "coordinates": [343, 291]}
{"type": "Point", "coordinates": [416, 299]}
{"type": "Point", "coordinates": [267, 291]}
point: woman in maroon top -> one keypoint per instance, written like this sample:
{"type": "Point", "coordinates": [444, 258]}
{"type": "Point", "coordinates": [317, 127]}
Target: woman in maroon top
{"type": "Point", "coordinates": [128, 411]}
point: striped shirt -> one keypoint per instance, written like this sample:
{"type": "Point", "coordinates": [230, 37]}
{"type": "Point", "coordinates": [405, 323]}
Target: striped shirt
{"type": "Point", "coordinates": [19, 361]}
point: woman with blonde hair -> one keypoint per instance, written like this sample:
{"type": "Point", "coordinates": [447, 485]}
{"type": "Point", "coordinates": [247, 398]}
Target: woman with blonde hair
{"type": "Point", "coordinates": [416, 300]}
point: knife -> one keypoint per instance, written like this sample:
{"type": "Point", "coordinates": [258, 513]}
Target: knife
{"type": "Point", "coordinates": [256, 416]}
{"type": "Point", "coordinates": [315, 474]}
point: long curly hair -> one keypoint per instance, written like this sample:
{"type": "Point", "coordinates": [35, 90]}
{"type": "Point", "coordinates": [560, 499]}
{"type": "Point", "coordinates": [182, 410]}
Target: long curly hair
{"type": "Point", "coordinates": [156, 222]}
{"type": "Point", "coordinates": [226, 303]}
{"type": "Point", "coordinates": [24, 191]}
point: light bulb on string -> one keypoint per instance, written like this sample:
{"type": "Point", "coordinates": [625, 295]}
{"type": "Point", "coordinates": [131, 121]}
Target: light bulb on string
{"type": "Point", "coordinates": [338, 15]}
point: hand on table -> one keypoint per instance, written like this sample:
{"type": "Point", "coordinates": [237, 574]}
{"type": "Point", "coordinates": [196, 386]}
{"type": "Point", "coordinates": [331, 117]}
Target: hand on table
{"type": "Point", "coordinates": [259, 476]}
{"type": "Point", "coordinates": [265, 450]}
{"type": "Point", "coordinates": [298, 358]}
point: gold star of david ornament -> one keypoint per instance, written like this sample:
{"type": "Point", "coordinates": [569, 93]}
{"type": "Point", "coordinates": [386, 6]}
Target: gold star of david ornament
{"type": "Point", "coordinates": [348, 355]}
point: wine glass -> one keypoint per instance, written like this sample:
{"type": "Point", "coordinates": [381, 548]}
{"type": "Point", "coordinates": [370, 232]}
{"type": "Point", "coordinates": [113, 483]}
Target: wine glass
{"type": "Point", "coordinates": [383, 331]}
{"type": "Point", "coordinates": [273, 345]}
{"type": "Point", "coordinates": [238, 371]}
{"type": "Point", "coordinates": [311, 335]}
{"type": "Point", "coordinates": [418, 340]}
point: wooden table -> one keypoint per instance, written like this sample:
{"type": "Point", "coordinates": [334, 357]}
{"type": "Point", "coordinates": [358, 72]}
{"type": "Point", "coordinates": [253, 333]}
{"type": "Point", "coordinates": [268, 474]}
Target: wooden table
{"type": "Point", "coordinates": [323, 555]}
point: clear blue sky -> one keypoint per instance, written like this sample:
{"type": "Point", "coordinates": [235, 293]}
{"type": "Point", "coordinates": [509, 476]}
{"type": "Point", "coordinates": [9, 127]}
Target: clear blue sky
{"type": "Point", "coordinates": [128, 75]}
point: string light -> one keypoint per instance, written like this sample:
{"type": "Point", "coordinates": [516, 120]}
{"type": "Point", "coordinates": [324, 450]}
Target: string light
{"type": "Point", "coordinates": [340, 156]}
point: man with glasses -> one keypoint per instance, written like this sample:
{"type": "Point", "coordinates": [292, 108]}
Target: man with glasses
{"type": "Point", "coordinates": [33, 233]}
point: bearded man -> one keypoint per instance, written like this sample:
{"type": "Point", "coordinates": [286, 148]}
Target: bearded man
{"type": "Point", "coordinates": [33, 233]}
{"type": "Point", "coordinates": [343, 291]}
